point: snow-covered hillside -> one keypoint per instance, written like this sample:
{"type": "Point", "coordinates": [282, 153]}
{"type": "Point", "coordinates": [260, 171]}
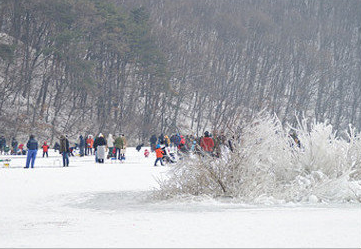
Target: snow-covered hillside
{"type": "Point", "coordinates": [111, 205]}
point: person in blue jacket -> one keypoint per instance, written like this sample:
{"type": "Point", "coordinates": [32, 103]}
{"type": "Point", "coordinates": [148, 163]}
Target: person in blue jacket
{"type": "Point", "coordinates": [32, 146]}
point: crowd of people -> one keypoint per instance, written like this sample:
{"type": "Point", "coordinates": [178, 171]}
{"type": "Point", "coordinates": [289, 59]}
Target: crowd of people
{"type": "Point", "coordinates": [99, 146]}
{"type": "Point", "coordinates": [115, 147]}
{"type": "Point", "coordinates": [208, 144]}
{"type": "Point", "coordinates": [15, 148]}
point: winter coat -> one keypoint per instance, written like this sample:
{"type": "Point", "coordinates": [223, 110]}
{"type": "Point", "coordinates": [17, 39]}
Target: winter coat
{"type": "Point", "coordinates": [118, 142]}
{"type": "Point", "coordinates": [153, 139]}
{"type": "Point", "coordinates": [81, 142]}
{"type": "Point", "coordinates": [64, 145]}
{"type": "Point", "coordinates": [177, 140]}
{"type": "Point", "coordinates": [123, 143]}
{"type": "Point", "coordinates": [32, 144]}
{"type": "Point", "coordinates": [183, 141]}
{"type": "Point", "coordinates": [146, 153]}
{"type": "Point", "coordinates": [139, 147]}
{"type": "Point", "coordinates": [14, 143]}
{"type": "Point", "coordinates": [207, 144]}
{"type": "Point", "coordinates": [161, 139]}
{"type": "Point", "coordinates": [172, 138]}
{"type": "Point", "coordinates": [45, 147]}
{"type": "Point", "coordinates": [56, 146]}
{"type": "Point", "coordinates": [89, 143]}
{"type": "Point", "coordinates": [110, 141]}
{"type": "Point", "coordinates": [159, 153]}
{"type": "Point", "coordinates": [99, 141]}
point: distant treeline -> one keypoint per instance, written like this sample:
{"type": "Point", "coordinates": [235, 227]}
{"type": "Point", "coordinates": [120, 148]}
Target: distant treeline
{"type": "Point", "coordinates": [142, 67]}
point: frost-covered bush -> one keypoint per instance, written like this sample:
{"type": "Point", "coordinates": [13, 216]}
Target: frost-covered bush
{"type": "Point", "coordinates": [268, 164]}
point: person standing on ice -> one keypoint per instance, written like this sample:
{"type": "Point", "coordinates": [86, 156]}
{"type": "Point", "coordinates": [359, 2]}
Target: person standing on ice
{"type": "Point", "coordinates": [64, 150]}
{"type": "Point", "coordinates": [45, 149]}
{"type": "Point", "coordinates": [123, 146]}
{"type": "Point", "coordinates": [14, 144]}
{"type": "Point", "coordinates": [99, 146]}
{"type": "Point", "coordinates": [153, 141]}
{"type": "Point", "coordinates": [159, 153]}
{"type": "Point", "coordinates": [207, 143]}
{"type": "Point", "coordinates": [2, 144]}
{"type": "Point", "coordinates": [217, 144]}
{"type": "Point", "coordinates": [172, 140]}
{"type": "Point", "coordinates": [81, 145]}
{"type": "Point", "coordinates": [161, 139]}
{"type": "Point", "coordinates": [110, 144]}
{"type": "Point", "coordinates": [89, 145]}
{"type": "Point", "coordinates": [177, 140]}
{"type": "Point", "coordinates": [32, 146]}
{"type": "Point", "coordinates": [56, 146]}
{"type": "Point", "coordinates": [117, 144]}
{"type": "Point", "coordinates": [166, 141]}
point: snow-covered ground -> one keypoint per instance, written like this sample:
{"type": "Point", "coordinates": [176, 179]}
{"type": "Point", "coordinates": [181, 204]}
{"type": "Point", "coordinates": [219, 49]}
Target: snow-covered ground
{"type": "Point", "coordinates": [109, 205]}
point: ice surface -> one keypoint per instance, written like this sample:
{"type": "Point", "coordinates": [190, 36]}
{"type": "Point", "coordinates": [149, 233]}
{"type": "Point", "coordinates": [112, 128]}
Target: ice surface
{"type": "Point", "coordinates": [111, 205]}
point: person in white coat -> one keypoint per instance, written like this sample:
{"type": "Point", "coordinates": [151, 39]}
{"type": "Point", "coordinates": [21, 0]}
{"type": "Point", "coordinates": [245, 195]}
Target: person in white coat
{"type": "Point", "coordinates": [110, 144]}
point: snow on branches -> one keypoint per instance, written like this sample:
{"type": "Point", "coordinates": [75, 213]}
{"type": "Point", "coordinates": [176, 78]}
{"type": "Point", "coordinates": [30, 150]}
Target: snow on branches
{"type": "Point", "coordinates": [267, 163]}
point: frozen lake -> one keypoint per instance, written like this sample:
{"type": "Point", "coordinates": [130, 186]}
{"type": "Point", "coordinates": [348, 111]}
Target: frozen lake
{"type": "Point", "coordinates": [110, 205]}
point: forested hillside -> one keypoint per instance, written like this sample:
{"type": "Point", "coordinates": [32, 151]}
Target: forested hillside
{"type": "Point", "coordinates": [144, 66]}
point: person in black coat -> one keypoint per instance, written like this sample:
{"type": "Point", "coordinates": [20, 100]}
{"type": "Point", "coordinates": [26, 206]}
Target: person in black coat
{"type": "Point", "coordinates": [64, 150]}
{"type": "Point", "coordinates": [2, 144]}
{"type": "Point", "coordinates": [99, 146]}
{"type": "Point", "coordinates": [153, 141]}
{"type": "Point", "coordinates": [14, 144]}
{"type": "Point", "coordinates": [161, 139]}
{"type": "Point", "coordinates": [81, 145]}
{"type": "Point", "coordinates": [139, 147]}
{"type": "Point", "coordinates": [32, 146]}
{"type": "Point", "coordinates": [56, 146]}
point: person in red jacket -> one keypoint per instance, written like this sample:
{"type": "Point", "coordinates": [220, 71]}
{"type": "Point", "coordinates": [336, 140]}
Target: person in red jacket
{"type": "Point", "coordinates": [207, 143]}
{"type": "Point", "coordinates": [89, 145]}
{"type": "Point", "coordinates": [45, 149]}
{"type": "Point", "coordinates": [159, 153]}
{"type": "Point", "coordinates": [21, 148]}
{"type": "Point", "coordinates": [146, 153]}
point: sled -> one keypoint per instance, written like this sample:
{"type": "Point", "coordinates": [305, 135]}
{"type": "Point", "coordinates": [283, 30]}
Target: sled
{"type": "Point", "coordinates": [5, 162]}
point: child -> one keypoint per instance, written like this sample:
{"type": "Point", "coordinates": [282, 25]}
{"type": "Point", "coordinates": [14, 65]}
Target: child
{"type": "Point", "coordinates": [6, 150]}
{"type": "Point", "coordinates": [159, 153]}
{"type": "Point", "coordinates": [146, 153]}
{"type": "Point", "coordinates": [89, 145]}
{"type": "Point", "coordinates": [45, 149]}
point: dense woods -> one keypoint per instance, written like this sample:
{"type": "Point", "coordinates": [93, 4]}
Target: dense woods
{"type": "Point", "coordinates": [142, 67]}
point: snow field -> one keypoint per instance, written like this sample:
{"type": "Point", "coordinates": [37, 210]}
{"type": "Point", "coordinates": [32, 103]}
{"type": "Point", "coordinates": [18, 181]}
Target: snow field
{"type": "Point", "coordinates": [110, 205]}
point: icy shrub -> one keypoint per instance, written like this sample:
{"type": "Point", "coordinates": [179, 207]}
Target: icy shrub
{"type": "Point", "coordinates": [267, 164]}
